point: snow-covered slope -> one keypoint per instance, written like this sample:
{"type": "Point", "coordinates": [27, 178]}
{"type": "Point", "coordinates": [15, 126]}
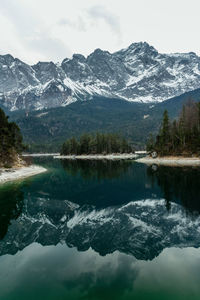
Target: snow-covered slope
{"type": "Point", "coordinates": [141, 228]}
{"type": "Point", "coordinates": [137, 73]}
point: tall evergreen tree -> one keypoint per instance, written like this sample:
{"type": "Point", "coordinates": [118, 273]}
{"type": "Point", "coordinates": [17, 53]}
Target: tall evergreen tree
{"type": "Point", "coordinates": [181, 136]}
{"type": "Point", "coordinates": [11, 142]}
{"type": "Point", "coordinates": [165, 128]}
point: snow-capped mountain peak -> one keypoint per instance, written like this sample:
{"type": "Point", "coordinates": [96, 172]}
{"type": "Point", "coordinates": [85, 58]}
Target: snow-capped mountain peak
{"type": "Point", "coordinates": [136, 73]}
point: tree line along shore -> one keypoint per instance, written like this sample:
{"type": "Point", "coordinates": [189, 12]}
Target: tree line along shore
{"type": "Point", "coordinates": [99, 143]}
{"type": "Point", "coordinates": [180, 137]}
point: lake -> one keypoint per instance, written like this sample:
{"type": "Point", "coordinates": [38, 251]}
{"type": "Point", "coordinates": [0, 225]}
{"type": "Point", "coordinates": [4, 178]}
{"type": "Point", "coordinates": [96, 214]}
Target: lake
{"type": "Point", "coordinates": [101, 230]}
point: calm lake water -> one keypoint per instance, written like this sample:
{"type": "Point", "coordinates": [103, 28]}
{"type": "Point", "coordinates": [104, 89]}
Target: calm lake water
{"type": "Point", "coordinates": [101, 230]}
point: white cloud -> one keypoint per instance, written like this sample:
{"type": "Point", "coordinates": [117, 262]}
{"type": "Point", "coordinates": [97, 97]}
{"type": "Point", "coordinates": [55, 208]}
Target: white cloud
{"type": "Point", "coordinates": [99, 12]}
{"type": "Point", "coordinates": [78, 24]}
{"type": "Point", "coordinates": [52, 30]}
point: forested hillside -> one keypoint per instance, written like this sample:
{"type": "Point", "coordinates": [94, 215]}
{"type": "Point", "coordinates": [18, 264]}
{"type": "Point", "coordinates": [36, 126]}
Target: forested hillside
{"type": "Point", "coordinates": [10, 141]}
{"type": "Point", "coordinates": [46, 130]}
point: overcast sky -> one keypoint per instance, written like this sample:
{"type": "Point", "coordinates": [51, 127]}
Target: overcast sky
{"type": "Point", "coordinates": [43, 30]}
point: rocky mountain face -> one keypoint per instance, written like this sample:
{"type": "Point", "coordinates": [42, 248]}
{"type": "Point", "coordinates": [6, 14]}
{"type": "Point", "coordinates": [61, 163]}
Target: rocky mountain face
{"type": "Point", "coordinates": [138, 73]}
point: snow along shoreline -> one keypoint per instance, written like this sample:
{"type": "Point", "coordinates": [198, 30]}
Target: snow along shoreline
{"type": "Point", "coordinates": [99, 156]}
{"type": "Point", "coordinates": [39, 154]}
{"type": "Point", "coordinates": [173, 161]}
{"type": "Point", "coordinates": [20, 173]}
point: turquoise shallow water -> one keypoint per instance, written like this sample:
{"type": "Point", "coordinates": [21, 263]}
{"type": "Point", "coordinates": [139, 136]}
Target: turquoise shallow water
{"type": "Point", "coordinates": [101, 230]}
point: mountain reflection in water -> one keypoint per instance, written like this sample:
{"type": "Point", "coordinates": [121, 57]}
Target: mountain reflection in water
{"type": "Point", "coordinates": [107, 206]}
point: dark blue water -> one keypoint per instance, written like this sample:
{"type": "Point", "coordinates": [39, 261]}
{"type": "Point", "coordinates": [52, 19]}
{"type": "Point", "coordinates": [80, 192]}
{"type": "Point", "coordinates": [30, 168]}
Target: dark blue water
{"type": "Point", "coordinates": [101, 230]}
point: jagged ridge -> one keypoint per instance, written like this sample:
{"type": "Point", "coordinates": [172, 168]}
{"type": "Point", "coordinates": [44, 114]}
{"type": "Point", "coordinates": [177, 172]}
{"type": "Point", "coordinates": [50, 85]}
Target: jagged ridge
{"type": "Point", "coordinates": [137, 73]}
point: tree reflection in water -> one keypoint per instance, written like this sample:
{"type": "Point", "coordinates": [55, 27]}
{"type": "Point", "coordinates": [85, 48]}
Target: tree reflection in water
{"type": "Point", "coordinates": [11, 204]}
{"type": "Point", "coordinates": [94, 169]}
{"type": "Point", "coordinates": [178, 184]}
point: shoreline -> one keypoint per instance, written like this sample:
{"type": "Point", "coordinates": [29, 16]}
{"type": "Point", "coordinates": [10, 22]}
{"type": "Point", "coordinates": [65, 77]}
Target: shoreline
{"type": "Point", "coordinates": [98, 156]}
{"type": "Point", "coordinates": [39, 154]}
{"type": "Point", "coordinates": [13, 174]}
{"type": "Point", "coordinates": [174, 161]}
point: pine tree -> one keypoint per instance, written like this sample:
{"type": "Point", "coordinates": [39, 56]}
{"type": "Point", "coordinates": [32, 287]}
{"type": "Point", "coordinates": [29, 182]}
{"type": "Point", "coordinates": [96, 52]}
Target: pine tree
{"type": "Point", "coordinates": [101, 143]}
{"type": "Point", "coordinates": [165, 128]}
{"type": "Point", "coordinates": [181, 136]}
{"type": "Point", "coordinates": [11, 142]}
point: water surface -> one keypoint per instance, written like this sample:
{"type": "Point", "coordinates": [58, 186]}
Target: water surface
{"type": "Point", "coordinates": [101, 230]}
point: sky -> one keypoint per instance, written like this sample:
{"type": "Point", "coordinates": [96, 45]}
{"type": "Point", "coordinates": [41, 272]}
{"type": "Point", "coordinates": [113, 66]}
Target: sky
{"type": "Point", "coordinates": [51, 30]}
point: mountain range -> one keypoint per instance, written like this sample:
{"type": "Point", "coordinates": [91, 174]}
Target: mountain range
{"type": "Point", "coordinates": [137, 228]}
{"type": "Point", "coordinates": [136, 74]}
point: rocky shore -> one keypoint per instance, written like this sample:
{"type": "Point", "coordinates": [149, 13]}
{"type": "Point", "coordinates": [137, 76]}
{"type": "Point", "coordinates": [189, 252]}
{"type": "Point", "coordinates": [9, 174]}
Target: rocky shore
{"type": "Point", "coordinates": [12, 174]}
